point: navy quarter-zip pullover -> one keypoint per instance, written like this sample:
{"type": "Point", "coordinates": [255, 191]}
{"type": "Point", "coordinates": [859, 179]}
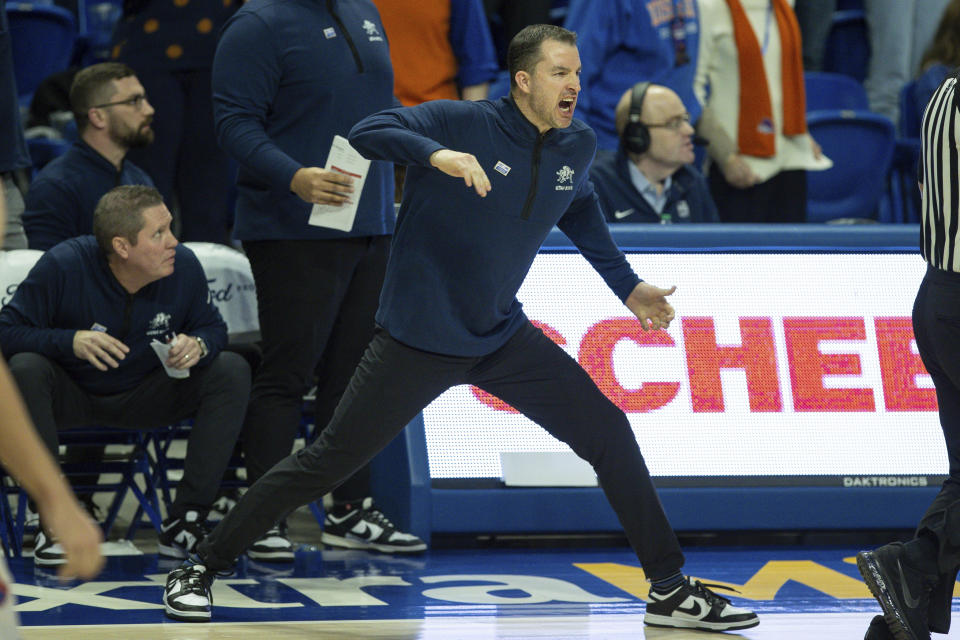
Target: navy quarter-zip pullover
{"type": "Point", "coordinates": [72, 288]}
{"type": "Point", "coordinates": [279, 94]}
{"type": "Point", "coordinates": [457, 259]}
{"type": "Point", "coordinates": [688, 198]}
{"type": "Point", "coordinates": [60, 202]}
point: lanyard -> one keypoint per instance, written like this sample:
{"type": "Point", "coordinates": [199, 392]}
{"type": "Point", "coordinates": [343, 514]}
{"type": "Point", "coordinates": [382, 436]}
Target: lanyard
{"type": "Point", "coordinates": [766, 27]}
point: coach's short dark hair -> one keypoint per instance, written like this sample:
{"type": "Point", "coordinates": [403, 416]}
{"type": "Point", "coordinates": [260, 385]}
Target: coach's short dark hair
{"type": "Point", "coordinates": [524, 51]}
{"type": "Point", "coordinates": [93, 86]}
{"type": "Point", "coordinates": [120, 213]}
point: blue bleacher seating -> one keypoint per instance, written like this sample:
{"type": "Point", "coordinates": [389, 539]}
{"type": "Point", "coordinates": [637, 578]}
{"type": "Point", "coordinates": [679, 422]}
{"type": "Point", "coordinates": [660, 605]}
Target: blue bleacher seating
{"type": "Point", "coordinates": [861, 145]}
{"type": "Point", "coordinates": [827, 90]}
{"type": "Point", "coordinates": [43, 150]}
{"type": "Point", "coordinates": [848, 48]}
{"type": "Point", "coordinates": [30, 25]}
{"type": "Point", "coordinates": [96, 20]}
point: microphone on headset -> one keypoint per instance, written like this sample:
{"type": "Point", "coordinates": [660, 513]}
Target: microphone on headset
{"type": "Point", "coordinates": [699, 141]}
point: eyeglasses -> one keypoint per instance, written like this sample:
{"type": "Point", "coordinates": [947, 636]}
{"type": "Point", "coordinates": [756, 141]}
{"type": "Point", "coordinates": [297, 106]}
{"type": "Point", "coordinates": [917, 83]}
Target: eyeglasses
{"type": "Point", "coordinates": [136, 102]}
{"type": "Point", "coordinates": [673, 123]}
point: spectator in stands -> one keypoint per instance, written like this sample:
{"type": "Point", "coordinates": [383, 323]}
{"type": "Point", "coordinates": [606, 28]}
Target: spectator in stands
{"type": "Point", "coordinates": [649, 178]}
{"type": "Point", "coordinates": [899, 32]}
{"type": "Point", "coordinates": [507, 18]}
{"type": "Point", "coordinates": [171, 45]}
{"type": "Point", "coordinates": [28, 461]}
{"type": "Point", "coordinates": [629, 41]}
{"type": "Point", "coordinates": [14, 157]}
{"type": "Point", "coordinates": [78, 332]}
{"type": "Point", "coordinates": [939, 60]}
{"type": "Point", "coordinates": [113, 116]}
{"type": "Point", "coordinates": [815, 18]}
{"type": "Point", "coordinates": [438, 49]}
{"type": "Point", "coordinates": [278, 105]}
{"type": "Point", "coordinates": [750, 59]}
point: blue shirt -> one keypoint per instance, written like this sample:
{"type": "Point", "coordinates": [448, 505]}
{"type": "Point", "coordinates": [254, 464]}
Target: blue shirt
{"type": "Point", "coordinates": [458, 260]}
{"type": "Point", "coordinates": [71, 288]}
{"type": "Point", "coordinates": [288, 76]}
{"type": "Point", "coordinates": [61, 199]}
{"type": "Point", "coordinates": [654, 197]}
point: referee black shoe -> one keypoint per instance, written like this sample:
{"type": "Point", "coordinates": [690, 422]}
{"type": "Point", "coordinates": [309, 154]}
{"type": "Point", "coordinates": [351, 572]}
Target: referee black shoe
{"type": "Point", "coordinates": [693, 605]}
{"type": "Point", "coordinates": [902, 590]}
{"type": "Point", "coordinates": [878, 630]}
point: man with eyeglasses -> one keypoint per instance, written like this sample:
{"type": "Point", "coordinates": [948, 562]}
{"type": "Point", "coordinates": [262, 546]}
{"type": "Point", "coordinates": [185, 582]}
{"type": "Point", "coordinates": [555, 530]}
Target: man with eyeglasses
{"type": "Point", "coordinates": [113, 116]}
{"type": "Point", "coordinates": [649, 178]}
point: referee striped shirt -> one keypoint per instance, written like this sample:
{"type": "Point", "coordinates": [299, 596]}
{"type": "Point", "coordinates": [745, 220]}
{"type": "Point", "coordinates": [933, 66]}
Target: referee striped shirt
{"type": "Point", "coordinates": [941, 177]}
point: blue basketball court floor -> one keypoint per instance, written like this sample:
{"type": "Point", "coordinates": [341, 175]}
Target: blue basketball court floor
{"type": "Point", "coordinates": [451, 594]}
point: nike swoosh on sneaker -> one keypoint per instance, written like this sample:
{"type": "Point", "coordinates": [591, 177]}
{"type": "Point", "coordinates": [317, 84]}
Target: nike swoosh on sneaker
{"type": "Point", "coordinates": [908, 598]}
{"type": "Point", "coordinates": [622, 214]}
{"type": "Point", "coordinates": [369, 531]}
{"type": "Point", "coordinates": [694, 611]}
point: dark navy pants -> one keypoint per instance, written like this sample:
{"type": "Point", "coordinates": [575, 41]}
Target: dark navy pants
{"type": "Point", "coordinates": [393, 382]}
{"type": "Point", "coordinates": [215, 396]}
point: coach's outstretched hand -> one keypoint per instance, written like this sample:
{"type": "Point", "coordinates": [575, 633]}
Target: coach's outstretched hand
{"type": "Point", "coordinates": [649, 304]}
{"type": "Point", "coordinates": [462, 165]}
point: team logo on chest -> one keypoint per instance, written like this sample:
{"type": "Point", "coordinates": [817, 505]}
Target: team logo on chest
{"type": "Point", "coordinates": [373, 34]}
{"type": "Point", "coordinates": [564, 176]}
{"type": "Point", "coordinates": [159, 325]}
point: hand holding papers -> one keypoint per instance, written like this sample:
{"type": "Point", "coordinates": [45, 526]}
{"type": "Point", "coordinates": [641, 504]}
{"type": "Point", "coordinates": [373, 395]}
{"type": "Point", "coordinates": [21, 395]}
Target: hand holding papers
{"type": "Point", "coordinates": [342, 159]}
{"type": "Point", "coordinates": [162, 349]}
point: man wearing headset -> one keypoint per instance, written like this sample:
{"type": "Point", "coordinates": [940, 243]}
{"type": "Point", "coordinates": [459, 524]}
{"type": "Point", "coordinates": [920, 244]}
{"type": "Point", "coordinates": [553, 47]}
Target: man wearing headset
{"type": "Point", "coordinates": [649, 178]}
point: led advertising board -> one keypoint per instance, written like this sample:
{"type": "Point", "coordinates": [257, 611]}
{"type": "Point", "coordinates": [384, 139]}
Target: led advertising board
{"type": "Point", "coordinates": [781, 368]}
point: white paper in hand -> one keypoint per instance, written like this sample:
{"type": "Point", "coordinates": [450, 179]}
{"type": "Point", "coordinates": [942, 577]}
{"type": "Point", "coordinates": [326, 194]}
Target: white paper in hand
{"type": "Point", "coordinates": [344, 159]}
{"type": "Point", "coordinates": [163, 352]}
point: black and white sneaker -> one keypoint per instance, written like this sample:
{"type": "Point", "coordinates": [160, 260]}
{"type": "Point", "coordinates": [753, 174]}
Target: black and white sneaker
{"type": "Point", "coordinates": [273, 546]}
{"type": "Point", "coordinates": [47, 552]}
{"type": "Point", "coordinates": [221, 507]}
{"type": "Point", "coordinates": [367, 528]}
{"type": "Point", "coordinates": [179, 537]}
{"type": "Point", "coordinates": [693, 605]}
{"type": "Point", "coordinates": [188, 595]}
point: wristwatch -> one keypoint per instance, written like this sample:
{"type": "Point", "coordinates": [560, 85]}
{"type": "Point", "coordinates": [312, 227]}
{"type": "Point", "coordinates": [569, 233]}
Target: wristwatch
{"type": "Point", "coordinates": [203, 346]}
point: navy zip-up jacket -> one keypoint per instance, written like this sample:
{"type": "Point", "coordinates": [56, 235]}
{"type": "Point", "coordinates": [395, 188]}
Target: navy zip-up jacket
{"type": "Point", "coordinates": [288, 75]}
{"type": "Point", "coordinates": [457, 259]}
{"type": "Point", "coordinates": [688, 199]}
{"type": "Point", "coordinates": [61, 199]}
{"type": "Point", "coordinates": [71, 288]}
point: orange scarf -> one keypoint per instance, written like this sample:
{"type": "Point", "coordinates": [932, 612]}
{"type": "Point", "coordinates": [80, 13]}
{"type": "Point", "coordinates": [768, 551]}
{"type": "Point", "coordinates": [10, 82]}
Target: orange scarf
{"type": "Point", "coordinates": [756, 133]}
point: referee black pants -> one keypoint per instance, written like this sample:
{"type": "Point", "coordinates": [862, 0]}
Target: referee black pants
{"type": "Point", "coordinates": [936, 326]}
{"type": "Point", "coordinates": [393, 382]}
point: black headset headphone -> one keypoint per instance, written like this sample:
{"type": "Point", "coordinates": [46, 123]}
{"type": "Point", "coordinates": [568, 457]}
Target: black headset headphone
{"type": "Point", "coordinates": [636, 135]}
